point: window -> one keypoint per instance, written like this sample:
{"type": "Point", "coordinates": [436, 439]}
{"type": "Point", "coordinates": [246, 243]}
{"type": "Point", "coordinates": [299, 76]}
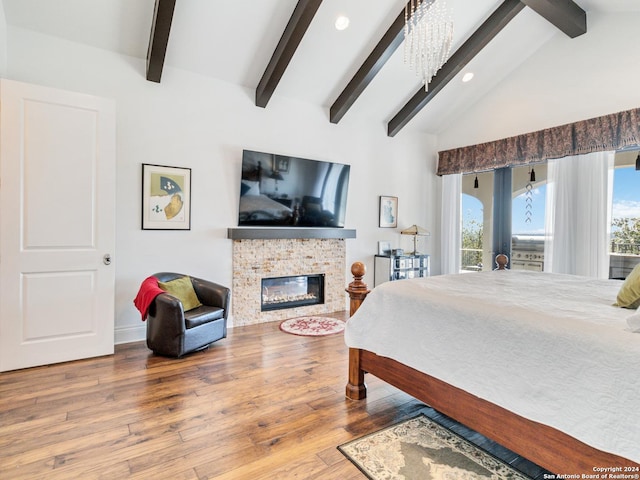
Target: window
{"type": "Point", "coordinates": [625, 217]}
{"type": "Point", "coordinates": [477, 210]}
{"type": "Point", "coordinates": [472, 233]}
{"type": "Point", "coordinates": [528, 210]}
{"type": "Point", "coordinates": [525, 220]}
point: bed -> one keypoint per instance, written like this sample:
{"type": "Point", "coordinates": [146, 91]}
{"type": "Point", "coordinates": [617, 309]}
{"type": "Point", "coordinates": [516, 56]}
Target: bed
{"type": "Point", "coordinates": [262, 208]}
{"type": "Point", "coordinates": [257, 208]}
{"type": "Point", "coordinates": [541, 363]}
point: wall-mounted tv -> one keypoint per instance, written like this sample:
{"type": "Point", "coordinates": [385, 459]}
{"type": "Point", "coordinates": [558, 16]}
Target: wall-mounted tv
{"type": "Point", "coordinates": [278, 190]}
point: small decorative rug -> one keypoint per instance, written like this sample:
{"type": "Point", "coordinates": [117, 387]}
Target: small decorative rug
{"type": "Point", "coordinates": [312, 326]}
{"type": "Point", "coordinates": [421, 449]}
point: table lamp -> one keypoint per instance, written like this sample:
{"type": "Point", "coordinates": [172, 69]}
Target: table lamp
{"type": "Point", "coordinates": [416, 231]}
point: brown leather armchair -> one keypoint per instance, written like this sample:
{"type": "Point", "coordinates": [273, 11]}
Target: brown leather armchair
{"type": "Point", "coordinates": [173, 332]}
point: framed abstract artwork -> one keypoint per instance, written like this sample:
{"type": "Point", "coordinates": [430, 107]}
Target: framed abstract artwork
{"type": "Point", "coordinates": [166, 198]}
{"type": "Point", "coordinates": [388, 212]}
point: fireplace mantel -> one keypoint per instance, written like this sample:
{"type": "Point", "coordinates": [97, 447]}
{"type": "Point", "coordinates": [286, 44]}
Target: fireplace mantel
{"type": "Point", "coordinates": [266, 233]}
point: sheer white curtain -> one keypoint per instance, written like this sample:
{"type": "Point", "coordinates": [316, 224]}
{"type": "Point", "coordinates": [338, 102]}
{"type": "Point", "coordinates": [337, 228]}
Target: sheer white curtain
{"type": "Point", "coordinates": [579, 190]}
{"type": "Point", "coordinates": [451, 224]}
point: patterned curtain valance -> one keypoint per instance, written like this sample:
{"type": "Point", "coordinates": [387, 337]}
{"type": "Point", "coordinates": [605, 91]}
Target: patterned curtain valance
{"type": "Point", "coordinates": [610, 132]}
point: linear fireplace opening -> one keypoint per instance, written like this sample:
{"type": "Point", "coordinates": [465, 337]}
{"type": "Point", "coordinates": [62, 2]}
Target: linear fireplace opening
{"type": "Point", "coordinates": [292, 291]}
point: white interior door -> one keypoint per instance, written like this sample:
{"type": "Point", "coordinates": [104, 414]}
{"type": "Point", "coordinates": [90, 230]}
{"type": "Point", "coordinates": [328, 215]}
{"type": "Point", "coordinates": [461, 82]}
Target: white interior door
{"type": "Point", "coordinates": [57, 225]}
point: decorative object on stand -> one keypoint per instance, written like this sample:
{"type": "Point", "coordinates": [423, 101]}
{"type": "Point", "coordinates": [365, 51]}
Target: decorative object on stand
{"type": "Point", "coordinates": [428, 35]}
{"type": "Point", "coordinates": [388, 212]}
{"type": "Point", "coordinates": [422, 448]}
{"type": "Point", "coordinates": [416, 231]}
{"type": "Point", "coordinates": [384, 248]}
{"type": "Point", "coordinates": [166, 198]}
{"type": "Point", "coordinates": [312, 326]}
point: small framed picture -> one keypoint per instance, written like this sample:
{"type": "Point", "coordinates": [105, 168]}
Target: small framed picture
{"type": "Point", "coordinates": [166, 198]}
{"type": "Point", "coordinates": [384, 248]}
{"type": "Point", "coordinates": [388, 212]}
{"type": "Point", "coordinates": [282, 164]}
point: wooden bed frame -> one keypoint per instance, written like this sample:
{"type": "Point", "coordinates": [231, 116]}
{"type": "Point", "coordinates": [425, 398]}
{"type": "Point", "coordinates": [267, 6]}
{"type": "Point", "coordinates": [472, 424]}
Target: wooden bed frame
{"type": "Point", "coordinates": [547, 447]}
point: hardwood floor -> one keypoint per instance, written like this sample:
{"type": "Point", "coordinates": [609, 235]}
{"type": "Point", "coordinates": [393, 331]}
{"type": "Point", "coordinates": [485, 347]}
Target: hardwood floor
{"type": "Point", "coordinates": [260, 404]}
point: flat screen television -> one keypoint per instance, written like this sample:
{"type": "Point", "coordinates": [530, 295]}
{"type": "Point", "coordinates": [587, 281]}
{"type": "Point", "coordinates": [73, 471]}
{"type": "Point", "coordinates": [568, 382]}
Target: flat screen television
{"type": "Point", "coordinates": [278, 190]}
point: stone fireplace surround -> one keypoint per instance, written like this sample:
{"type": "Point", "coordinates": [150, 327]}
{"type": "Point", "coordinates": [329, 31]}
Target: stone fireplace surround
{"type": "Point", "coordinates": [273, 252]}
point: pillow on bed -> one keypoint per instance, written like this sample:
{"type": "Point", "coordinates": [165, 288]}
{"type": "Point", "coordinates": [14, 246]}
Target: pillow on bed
{"type": "Point", "coordinates": [634, 321]}
{"type": "Point", "coordinates": [182, 289]}
{"type": "Point", "coordinates": [249, 188]}
{"type": "Point", "coordinates": [629, 294]}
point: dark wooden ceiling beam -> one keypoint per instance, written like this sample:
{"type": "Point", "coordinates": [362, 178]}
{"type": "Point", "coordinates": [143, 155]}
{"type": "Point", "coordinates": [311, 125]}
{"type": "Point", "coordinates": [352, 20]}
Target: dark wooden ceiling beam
{"type": "Point", "coordinates": [369, 69]}
{"type": "Point", "coordinates": [159, 38]}
{"type": "Point", "coordinates": [469, 49]}
{"type": "Point", "coordinates": [291, 37]}
{"type": "Point", "coordinates": [564, 14]}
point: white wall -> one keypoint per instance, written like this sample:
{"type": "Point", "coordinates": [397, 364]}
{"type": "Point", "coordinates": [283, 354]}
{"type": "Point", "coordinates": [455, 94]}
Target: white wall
{"type": "Point", "coordinates": [3, 41]}
{"type": "Point", "coordinates": [564, 81]}
{"type": "Point", "coordinates": [196, 122]}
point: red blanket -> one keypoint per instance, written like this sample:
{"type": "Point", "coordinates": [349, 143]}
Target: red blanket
{"type": "Point", "coordinates": [149, 290]}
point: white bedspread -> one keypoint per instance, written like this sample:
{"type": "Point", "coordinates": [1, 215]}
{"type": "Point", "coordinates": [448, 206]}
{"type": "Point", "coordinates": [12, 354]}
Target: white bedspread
{"type": "Point", "coordinates": [263, 205]}
{"type": "Point", "coordinates": [548, 347]}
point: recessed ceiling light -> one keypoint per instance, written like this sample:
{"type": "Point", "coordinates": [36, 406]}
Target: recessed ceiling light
{"type": "Point", "coordinates": [467, 77]}
{"type": "Point", "coordinates": [342, 22]}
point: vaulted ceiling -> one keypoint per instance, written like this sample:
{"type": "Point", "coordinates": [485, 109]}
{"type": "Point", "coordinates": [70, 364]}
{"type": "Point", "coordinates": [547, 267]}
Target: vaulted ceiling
{"type": "Point", "coordinates": [291, 49]}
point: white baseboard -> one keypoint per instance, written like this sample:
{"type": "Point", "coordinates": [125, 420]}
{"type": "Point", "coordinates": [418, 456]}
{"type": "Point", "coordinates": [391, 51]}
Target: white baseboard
{"type": "Point", "coordinates": [130, 334]}
{"type": "Point", "coordinates": [138, 334]}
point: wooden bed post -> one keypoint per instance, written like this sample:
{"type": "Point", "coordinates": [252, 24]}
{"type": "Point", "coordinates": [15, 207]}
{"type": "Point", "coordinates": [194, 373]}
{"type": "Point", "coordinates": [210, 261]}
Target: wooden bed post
{"type": "Point", "coordinates": [358, 291]}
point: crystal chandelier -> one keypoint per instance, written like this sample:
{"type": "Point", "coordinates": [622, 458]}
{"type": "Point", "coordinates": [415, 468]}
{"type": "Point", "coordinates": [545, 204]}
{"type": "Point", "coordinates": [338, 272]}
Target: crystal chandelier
{"type": "Point", "coordinates": [428, 34]}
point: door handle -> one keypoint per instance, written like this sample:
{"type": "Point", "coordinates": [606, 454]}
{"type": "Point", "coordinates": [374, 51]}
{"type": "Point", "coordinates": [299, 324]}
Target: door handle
{"type": "Point", "coordinates": [106, 259]}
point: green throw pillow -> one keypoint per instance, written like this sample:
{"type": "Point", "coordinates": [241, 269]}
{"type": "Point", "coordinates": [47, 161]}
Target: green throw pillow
{"type": "Point", "coordinates": [182, 289]}
{"type": "Point", "coordinates": [629, 294]}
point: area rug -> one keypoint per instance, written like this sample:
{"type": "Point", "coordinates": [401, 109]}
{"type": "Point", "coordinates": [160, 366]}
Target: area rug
{"type": "Point", "coordinates": [421, 449]}
{"type": "Point", "coordinates": [312, 326]}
